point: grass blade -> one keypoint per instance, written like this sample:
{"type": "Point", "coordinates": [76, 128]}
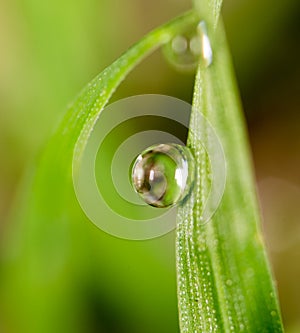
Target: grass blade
{"type": "Point", "coordinates": [224, 279]}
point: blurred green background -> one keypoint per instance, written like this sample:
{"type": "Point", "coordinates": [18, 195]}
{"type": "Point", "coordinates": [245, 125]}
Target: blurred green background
{"type": "Point", "coordinates": [49, 51]}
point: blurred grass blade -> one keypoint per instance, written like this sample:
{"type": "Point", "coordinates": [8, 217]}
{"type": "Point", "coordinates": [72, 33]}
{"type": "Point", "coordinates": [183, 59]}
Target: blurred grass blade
{"type": "Point", "coordinates": [224, 279]}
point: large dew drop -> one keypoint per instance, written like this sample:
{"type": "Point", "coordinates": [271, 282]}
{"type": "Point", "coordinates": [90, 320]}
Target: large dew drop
{"type": "Point", "coordinates": [163, 174]}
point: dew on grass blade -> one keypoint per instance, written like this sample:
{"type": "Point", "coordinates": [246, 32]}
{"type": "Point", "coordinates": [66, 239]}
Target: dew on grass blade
{"type": "Point", "coordinates": [163, 174]}
{"type": "Point", "coordinates": [185, 51]}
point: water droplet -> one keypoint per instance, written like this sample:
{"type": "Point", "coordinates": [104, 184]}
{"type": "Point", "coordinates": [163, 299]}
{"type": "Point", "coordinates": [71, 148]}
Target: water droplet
{"type": "Point", "coordinates": [186, 50]}
{"type": "Point", "coordinates": [163, 174]}
{"type": "Point", "coordinates": [183, 51]}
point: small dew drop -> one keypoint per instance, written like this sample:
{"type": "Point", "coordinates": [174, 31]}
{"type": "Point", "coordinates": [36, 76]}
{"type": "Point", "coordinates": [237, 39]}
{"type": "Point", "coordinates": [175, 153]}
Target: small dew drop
{"type": "Point", "coordinates": [183, 51]}
{"type": "Point", "coordinates": [163, 174]}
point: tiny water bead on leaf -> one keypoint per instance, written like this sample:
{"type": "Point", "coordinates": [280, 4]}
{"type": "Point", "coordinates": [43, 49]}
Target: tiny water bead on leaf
{"type": "Point", "coordinates": [186, 50]}
{"type": "Point", "coordinates": [183, 52]}
{"type": "Point", "coordinates": [163, 174]}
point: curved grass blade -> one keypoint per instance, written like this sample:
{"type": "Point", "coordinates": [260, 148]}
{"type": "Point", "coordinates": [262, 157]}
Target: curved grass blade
{"type": "Point", "coordinates": [224, 279]}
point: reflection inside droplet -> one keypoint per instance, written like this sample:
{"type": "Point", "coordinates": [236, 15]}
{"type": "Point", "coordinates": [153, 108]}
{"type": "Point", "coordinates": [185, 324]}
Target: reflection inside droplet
{"type": "Point", "coordinates": [163, 174]}
{"type": "Point", "coordinates": [195, 45]}
{"type": "Point", "coordinates": [179, 44]}
{"type": "Point", "coordinates": [182, 52]}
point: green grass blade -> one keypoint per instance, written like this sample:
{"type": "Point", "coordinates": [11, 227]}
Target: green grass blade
{"type": "Point", "coordinates": [224, 279]}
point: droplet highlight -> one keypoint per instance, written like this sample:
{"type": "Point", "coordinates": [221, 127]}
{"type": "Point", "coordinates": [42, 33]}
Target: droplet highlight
{"type": "Point", "coordinates": [206, 49]}
{"type": "Point", "coordinates": [163, 175]}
